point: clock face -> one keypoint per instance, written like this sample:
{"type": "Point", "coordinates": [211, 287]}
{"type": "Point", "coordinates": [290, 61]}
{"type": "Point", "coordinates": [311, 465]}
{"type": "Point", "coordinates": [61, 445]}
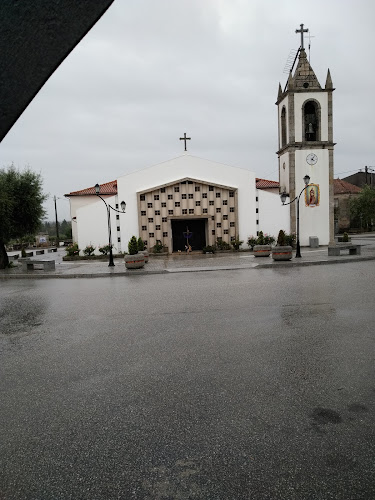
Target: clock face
{"type": "Point", "coordinates": [311, 159]}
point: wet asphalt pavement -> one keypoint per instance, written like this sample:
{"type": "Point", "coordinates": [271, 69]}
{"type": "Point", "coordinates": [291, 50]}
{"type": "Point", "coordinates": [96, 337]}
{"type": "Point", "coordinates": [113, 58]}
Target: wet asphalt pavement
{"type": "Point", "coordinates": [229, 385]}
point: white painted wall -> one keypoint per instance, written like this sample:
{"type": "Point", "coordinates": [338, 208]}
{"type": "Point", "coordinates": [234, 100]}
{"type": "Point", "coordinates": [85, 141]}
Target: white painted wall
{"type": "Point", "coordinates": [77, 202]}
{"type": "Point", "coordinates": [299, 100]}
{"type": "Point", "coordinates": [196, 168]}
{"type": "Point", "coordinates": [91, 226]}
{"type": "Point", "coordinates": [314, 221]}
{"type": "Point", "coordinates": [272, 215]}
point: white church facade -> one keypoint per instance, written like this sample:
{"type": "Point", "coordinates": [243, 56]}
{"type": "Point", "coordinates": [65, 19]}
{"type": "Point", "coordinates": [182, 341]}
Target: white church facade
{"type": "Point", "coordinates": [211, 200]}
{"type": "Point", "coordinates": [215, 201]}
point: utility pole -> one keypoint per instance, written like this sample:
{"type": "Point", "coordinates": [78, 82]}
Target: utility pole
{"type": "Point", "coordinates": [57, 222]}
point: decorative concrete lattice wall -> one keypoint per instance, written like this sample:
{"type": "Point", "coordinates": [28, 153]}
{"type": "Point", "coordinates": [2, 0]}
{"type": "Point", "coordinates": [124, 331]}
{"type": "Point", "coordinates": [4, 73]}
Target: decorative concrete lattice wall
{"type": "Point", "coordinates": [187, 199]}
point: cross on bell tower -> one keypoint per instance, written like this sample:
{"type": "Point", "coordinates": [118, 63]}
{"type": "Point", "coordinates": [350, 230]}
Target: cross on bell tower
{"type": "Point", "coordinates": [302, 31]}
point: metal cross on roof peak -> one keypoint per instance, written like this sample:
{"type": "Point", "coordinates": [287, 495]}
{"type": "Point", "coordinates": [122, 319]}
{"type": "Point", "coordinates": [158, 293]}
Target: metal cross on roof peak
{"type": "Point", "coordinates": [185, 139]}
{"type": "Point", "coordinates": [302, 31]}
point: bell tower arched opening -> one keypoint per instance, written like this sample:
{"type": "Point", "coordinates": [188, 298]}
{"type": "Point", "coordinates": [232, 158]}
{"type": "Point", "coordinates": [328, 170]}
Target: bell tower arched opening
{"type": "Point", "coordinates": [311, 121]}
{"type": "Point", "coordinates": [283, 127]}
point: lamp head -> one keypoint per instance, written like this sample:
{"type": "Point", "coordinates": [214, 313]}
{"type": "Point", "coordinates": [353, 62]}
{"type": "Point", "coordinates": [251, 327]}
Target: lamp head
{"type": "Point", "coordinates": [306, 180]}
{"type": "Point", "coordinates": [97, 189]}
{"type": "Point", "coordinates": [283, 197]}
{"type": "Point", "coordinates": [123, 206]}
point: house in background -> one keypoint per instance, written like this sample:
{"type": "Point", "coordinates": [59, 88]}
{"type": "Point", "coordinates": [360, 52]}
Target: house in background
{"type": "Point", "coordinates": [361, 179]}
{"type": "Point", "coordinates": [343, 193]}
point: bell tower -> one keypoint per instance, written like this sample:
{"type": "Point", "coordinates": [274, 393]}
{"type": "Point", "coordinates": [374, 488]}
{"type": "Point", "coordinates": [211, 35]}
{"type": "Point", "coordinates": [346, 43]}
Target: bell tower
{"type": "Point", "coordinates": [306, 147]}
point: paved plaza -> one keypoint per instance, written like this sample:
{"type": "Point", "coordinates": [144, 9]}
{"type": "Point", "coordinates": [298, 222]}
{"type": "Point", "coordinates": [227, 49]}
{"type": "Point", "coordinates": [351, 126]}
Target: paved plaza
{"type": "Point", "coordinates": [193, 262]}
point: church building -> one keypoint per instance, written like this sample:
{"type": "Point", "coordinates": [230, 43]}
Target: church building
{"type": "Point", "coordinates": [210, 201]}
{"type": "Point", "coordinates": [186, 194]}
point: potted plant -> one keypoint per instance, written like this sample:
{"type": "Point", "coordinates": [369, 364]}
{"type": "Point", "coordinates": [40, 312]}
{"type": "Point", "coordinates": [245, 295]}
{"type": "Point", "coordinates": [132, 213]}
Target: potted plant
{"type": "Point", "coordinates": [263, 247]}
{"type": "Point", "coordinates": [281, 251]}
{"type": "Point", "coordinates": [134, 260]}
{"type": "Point", "coordinates": [142, 249]}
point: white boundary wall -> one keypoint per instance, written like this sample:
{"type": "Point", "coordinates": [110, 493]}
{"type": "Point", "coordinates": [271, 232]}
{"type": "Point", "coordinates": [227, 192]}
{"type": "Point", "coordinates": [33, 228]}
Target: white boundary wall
{"type": "Point", "coordinates": [273, 216]}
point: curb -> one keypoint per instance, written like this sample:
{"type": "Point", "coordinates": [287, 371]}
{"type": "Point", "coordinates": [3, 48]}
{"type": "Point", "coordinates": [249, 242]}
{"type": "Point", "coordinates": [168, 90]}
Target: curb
{"type": "Point", "coordinates": [289, 264]}
{"type": "Point", "coordinates": [313, 263]}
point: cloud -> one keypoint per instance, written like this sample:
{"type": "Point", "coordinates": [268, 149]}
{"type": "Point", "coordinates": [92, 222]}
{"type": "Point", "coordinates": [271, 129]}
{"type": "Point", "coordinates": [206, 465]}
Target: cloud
{"type": "Point", "coordinates": [149, 71]}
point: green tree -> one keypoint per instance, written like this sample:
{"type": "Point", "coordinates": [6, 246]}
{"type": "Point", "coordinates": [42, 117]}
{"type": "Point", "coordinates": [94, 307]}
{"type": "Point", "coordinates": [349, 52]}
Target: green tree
{"type": "Point", "coordinates": [49, 227]}
{"type": "Point", "coordinates": [21, 206]}
{"type": "Point", "coordinates": [65, 229]}
{"type": "Point", "coordinates": [362, 207]}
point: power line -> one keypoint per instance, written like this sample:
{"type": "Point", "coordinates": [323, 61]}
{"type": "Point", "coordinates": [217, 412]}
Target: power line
{"type": "Point", "coordinates": [347, 172]}
{"type": "Point", "coordinates": [355, 170]}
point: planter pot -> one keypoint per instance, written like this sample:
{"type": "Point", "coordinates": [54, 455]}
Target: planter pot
{"type": "Point", "coordinates": [134, 261]}
{"type": "Point", "coordinates": [282, 253]}
{"type": "Point", "coordinates": [146, 254]}
{"type": "Point", "coordinates": [262, 250]}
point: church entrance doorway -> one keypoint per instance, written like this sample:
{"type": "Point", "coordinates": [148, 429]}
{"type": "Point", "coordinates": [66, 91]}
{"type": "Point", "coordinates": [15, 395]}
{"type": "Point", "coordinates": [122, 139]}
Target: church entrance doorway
{"type": "Point", "coordinates": [181, 228]}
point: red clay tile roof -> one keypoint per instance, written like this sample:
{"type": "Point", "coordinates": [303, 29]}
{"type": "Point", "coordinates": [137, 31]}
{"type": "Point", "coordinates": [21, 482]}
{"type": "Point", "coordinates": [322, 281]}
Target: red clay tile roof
{"type": "Point", "coordinates": [342, 187]}
{"type": "Point", "coordinates": [264, 184]}
{"type": "Point", "coordinates": [106, 188]}
{"type": "Point", "coordinates": [111, 187]}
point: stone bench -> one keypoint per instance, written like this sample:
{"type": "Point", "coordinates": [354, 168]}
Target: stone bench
{"type": "Point", "coordinates": [13, 257]}
{"type": "Point", "coordinates": [52, 250]}
{"type": "Point", "coordinates": [336, 249]}
{"type": "Point", "coordinates": [39, 252]}
{"type": "Point", "coordinates": [37, 264]}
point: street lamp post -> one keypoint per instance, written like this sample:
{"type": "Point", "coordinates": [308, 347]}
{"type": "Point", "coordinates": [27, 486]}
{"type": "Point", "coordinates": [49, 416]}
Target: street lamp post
{"type": "Point", "coordinates": [283, 197]}
{"type": "Point", "coordinates": [109, 208]}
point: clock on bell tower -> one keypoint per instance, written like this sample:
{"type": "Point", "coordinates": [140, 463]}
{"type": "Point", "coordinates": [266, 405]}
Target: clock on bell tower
{"type": "Point", "coordinates": [306, 147]}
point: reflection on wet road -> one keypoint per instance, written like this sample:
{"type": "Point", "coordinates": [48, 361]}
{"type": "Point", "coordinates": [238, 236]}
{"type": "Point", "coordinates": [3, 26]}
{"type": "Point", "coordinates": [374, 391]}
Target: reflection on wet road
{"type": "Point", "coordinates": [238, 384]}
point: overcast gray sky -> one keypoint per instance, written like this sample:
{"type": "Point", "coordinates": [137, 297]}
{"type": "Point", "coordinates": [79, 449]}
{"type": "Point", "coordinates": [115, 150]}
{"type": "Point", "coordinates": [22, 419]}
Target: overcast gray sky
{"type": "Point", "coordinates": [150, 70]}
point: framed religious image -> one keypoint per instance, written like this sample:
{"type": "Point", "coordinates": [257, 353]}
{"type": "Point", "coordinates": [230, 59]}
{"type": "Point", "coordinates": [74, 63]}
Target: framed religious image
{"type": "Point", "coordinates": [312, 195]}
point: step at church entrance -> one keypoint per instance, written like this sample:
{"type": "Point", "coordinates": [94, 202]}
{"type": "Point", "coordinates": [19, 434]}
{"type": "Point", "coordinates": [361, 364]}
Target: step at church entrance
{"type": "Point", "coordinates": [193, 230]}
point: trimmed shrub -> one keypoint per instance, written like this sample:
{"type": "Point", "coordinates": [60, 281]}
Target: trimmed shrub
{"type": "Point", "coordinates": [141, 245]}
{"type": "Point", "coordinates": [133, 246]}
{"type": "Point", "coordinates": [281, 240]}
